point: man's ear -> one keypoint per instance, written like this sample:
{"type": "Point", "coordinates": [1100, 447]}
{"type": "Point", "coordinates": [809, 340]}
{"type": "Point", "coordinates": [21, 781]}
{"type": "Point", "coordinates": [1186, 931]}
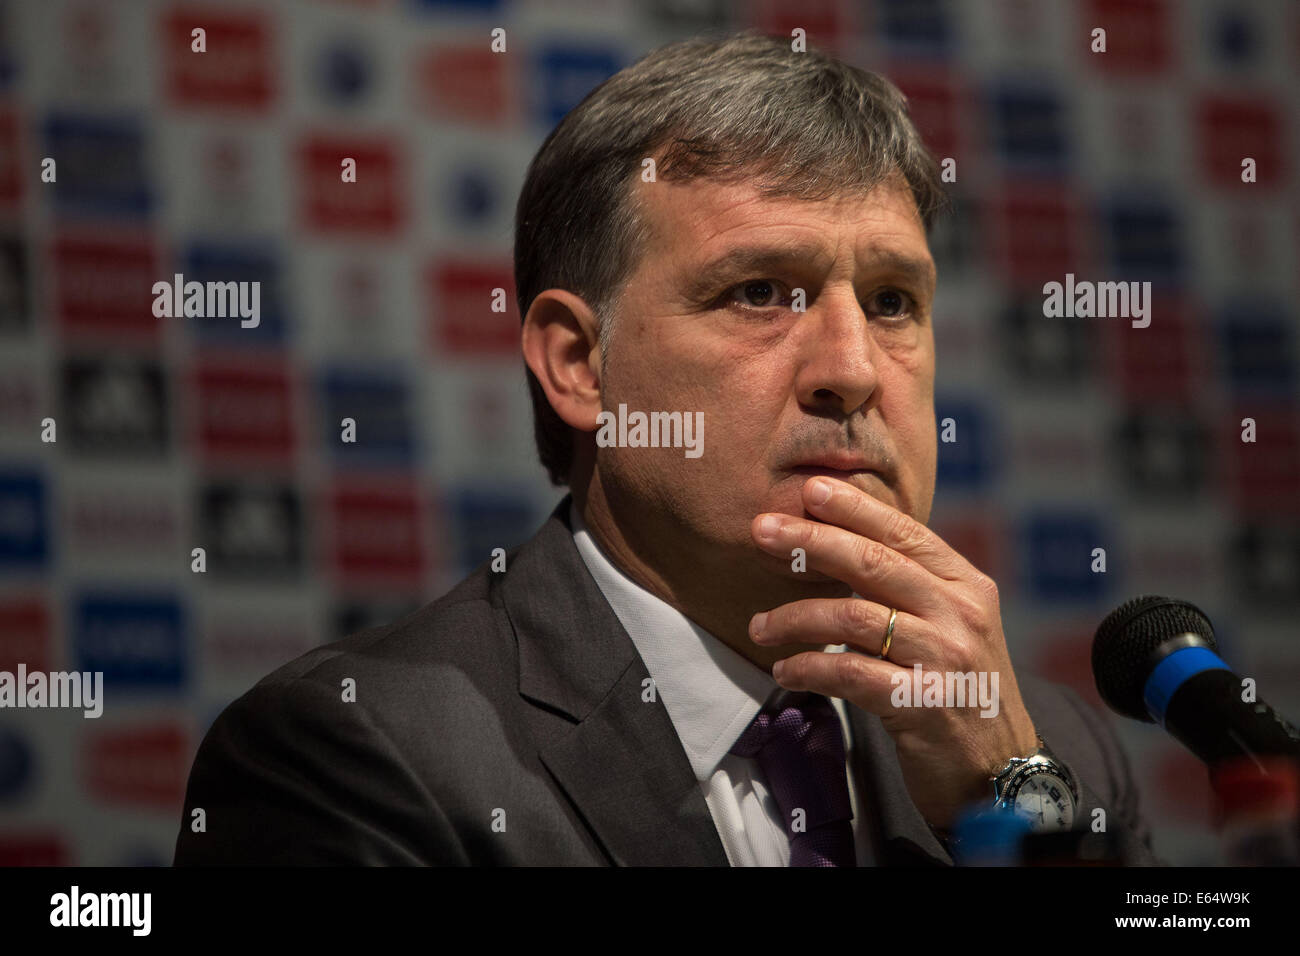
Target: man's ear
{"type": "Point", "coordinates": [562, 348]}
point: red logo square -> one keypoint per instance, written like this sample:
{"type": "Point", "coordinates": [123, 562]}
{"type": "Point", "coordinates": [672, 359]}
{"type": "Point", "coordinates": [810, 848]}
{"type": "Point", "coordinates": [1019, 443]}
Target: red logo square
{"type": "Point", "coordinates": [243, 410]}
{"type": "Point", "coordinates": [1263, 474]}
{"type": "Point", "coordinates": [371, 204]}
{"type": "Point", "coordinates": [1038, 235]}
{"type": "Point", "coordinates": [461, 295]}
{"type": "Point", "coordinates": [466, 84]}
{"type": "Point", "coordinates": [234, 71]}
{"type": "Point", "coordinates": [143, 766]}
{"type": "Point", "coordinates": [377, 531]}
{"type": "Point", "coordinates": [24, 634]}
{"type": "Point", "coordinates": [1232, 128]}
{"type": "Point", "coordinates": [1137, 36]}
{"type": "Point", "coordinates": [103, 287]}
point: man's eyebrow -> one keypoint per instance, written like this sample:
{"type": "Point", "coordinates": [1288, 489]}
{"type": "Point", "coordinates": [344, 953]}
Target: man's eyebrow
{"type": "Point", "coordinates": [912, 268]}
{"type": "Point", "coordinates": [752, 260]}
{"type": "Point", "coordinates": [756, 260]}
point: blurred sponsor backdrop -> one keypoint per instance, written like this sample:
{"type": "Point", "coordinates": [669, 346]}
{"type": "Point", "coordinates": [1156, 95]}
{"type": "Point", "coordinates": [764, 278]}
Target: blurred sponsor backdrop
{"type": "Point", "coordinates": [176, 433]}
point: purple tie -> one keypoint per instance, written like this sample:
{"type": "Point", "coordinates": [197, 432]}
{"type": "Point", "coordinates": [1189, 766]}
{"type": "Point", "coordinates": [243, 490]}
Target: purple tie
{"type": "Point", "coordinates": [800, 750]}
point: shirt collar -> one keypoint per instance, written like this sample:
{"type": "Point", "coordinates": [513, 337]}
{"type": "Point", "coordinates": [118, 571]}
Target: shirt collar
{"type": "Point", "coordinates": [711, 693]}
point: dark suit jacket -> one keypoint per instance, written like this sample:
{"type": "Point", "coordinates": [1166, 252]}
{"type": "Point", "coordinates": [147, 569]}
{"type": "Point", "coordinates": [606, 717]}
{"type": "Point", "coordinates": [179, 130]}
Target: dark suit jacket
{"type": "Point", "coordinates": [516, 698]}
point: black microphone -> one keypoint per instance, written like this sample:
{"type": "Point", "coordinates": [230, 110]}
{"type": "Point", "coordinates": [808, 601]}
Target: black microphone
{"type": "Point", "coordinates": [1155, 659]}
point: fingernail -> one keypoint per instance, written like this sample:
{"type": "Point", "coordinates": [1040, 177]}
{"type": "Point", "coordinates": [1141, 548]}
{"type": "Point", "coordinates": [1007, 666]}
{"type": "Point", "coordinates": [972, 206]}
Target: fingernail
{"type": "Point", "coordinates": [819, 492]}
{"type": "Point", "coordinates": [756, 625]}
{"type": "Point", "coordinates": [769, 526]}
{"type": "Point", "coordinates": [776, 670]}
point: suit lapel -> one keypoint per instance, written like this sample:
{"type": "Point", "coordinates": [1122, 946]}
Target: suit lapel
{"type": "Point", "coordinates": [624, 769]}
{"type": "Point", "coordinates": [617, 758]}
{"type": "Point", "coordinates": [900, 835]}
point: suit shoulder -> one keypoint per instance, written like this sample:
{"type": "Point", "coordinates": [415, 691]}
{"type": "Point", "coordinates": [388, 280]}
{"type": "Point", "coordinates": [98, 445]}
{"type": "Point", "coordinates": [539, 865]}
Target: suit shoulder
{"type": "Point", "coordinates": [465, 630]}
{"type": "Point", "coordinates": [1061, 701]}
{"type": "Point", "coordinates": [1077, 730]}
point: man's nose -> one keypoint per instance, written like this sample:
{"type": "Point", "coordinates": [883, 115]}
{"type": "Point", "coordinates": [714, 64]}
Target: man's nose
{"type": "Point", "coordinates": [838, 372]}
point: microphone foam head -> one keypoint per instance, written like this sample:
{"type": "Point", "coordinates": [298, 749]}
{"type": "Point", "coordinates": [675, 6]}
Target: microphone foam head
{"type": "Point", "coordinates": [1125, 640]}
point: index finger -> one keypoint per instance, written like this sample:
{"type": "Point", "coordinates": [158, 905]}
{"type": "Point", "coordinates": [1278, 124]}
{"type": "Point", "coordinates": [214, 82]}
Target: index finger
{"type": "Point", "coordinates": [854, 510]}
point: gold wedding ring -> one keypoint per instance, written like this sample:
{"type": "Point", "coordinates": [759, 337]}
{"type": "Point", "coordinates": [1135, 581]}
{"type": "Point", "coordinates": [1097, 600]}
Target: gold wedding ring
{"type": "Point", "coordinates": [889, 632]}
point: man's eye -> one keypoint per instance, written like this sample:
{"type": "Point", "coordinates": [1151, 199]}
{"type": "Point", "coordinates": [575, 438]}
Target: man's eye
{"type": "Point", "coordinates": [891, 303]}
{"type": "Point", "coordinates": [757, 293]}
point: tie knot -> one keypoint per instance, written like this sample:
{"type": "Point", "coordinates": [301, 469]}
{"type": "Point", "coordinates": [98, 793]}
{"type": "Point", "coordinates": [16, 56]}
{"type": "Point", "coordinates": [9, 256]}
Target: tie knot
{"type": "Point", "coordinates": [800, 721]}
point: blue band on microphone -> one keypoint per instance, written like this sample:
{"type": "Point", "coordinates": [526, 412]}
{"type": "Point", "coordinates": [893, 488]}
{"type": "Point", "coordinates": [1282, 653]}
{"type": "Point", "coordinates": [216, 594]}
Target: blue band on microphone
{"type": "Point", "coordinates": [1172, 672]}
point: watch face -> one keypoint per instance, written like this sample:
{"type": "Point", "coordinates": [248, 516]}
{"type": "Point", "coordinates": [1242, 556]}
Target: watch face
{"type": "Point", "coordinates": [1045, 800]}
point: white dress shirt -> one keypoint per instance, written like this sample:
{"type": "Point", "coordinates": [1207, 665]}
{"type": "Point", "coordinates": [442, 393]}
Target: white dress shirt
{"type": "Point", "coordinates": [712, 694]}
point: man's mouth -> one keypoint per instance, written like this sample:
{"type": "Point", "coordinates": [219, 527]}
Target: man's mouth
{"type": "Point", "coordinates": [810, 470]}
{"type": "Point", "coordinates": [836, 464]}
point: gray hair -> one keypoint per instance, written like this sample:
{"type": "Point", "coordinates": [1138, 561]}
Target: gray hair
{"type": "Point", "coordinates": [741, 108]}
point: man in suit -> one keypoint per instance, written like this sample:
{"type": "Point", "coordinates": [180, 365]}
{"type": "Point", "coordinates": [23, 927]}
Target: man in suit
{"type": "Point", "coordinates": [732, 234]}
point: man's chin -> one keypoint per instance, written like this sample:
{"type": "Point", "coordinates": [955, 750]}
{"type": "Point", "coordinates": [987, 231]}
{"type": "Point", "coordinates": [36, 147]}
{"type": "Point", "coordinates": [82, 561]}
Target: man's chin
{"type": "Point", "coordinates": [794, 575]}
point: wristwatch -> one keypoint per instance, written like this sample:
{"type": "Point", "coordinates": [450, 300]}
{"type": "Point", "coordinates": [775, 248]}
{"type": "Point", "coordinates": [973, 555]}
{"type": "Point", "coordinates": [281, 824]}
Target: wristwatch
{"type": "Point", "coordinates": [1038, 787]}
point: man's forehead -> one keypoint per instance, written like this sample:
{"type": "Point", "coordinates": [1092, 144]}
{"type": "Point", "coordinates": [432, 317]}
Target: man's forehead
{"type": "Point", "coordinates": [703, 218]}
